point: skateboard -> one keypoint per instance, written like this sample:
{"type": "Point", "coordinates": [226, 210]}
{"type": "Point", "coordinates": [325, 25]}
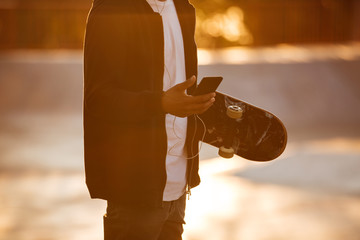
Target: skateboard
{"type": "Point", "coordinates": [237, 127]}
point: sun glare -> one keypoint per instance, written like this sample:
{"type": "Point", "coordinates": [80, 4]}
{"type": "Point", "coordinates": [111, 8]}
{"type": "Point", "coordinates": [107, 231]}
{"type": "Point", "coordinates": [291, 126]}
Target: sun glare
{"type": "Point", "coordinates": [229, 25]}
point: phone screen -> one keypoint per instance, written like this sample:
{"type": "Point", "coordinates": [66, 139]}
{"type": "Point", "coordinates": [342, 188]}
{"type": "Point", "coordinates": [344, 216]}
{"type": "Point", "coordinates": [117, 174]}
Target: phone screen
{"type": "Point", "coordinates": [207, 85]}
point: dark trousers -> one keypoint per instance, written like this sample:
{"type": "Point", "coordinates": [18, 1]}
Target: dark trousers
{"type": "Point", "coordinates": [164, 223]}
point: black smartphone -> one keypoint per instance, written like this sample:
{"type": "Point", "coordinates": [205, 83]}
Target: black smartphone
{"type": "Point", "coordinates": [207, 85]}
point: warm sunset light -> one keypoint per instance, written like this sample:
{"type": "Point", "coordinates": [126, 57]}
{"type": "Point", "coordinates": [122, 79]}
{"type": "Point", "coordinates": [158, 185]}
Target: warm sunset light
{"type": "Point", "coordinates": [235, 199]}
{"type": "Point", "coordinates": [87, 106]}
{"type": "Point", "coordinates": [281, 53]}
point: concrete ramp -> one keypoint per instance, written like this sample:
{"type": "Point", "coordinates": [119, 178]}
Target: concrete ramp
{"type": "Point", "coordinates": [314, 185]}
{"type": "Point", "coordinates": [322, 96]}
{"type": "Point", "coordinates": [40, 82]}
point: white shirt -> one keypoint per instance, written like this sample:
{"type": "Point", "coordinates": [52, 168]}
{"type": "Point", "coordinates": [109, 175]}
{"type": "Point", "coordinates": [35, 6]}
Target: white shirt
{"type": "Point", "coordinates": [174, 73]}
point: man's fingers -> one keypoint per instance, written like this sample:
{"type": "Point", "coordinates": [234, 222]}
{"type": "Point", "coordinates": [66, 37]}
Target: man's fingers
{"type": "Point", "coordinates": [200, 107]}
{"type": "Point", "coordinates": [175, 101]}
{"type": "Point", "coordinates": [185, 85]}
{"type": "Point", "coordinates": [202, 98]}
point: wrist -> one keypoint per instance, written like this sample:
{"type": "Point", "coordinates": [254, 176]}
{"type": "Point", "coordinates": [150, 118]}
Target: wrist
{"type": "Point", "coordinates": [163, 102]}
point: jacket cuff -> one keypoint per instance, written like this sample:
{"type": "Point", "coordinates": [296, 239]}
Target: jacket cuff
{"type": "Point", "coordinates": [152, 102]}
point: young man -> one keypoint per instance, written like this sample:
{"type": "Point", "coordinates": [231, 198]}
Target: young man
{"type": "Point", "coordinates": [141, 150]}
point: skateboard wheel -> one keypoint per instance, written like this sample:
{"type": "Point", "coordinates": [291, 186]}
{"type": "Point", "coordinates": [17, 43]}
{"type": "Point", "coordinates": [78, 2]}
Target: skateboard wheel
{"type": "Point", "coordinates": [226, 152]}
{"type": "Point", "coordinates": [234, 111]}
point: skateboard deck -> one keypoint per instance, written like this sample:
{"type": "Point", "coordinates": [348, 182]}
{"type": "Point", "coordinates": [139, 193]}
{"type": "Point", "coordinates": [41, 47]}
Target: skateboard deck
{"type": "Point", "coordinates": [236, 127]}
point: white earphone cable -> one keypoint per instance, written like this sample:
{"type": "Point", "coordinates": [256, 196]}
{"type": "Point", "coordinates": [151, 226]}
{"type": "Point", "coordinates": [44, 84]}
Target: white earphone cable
{"type": "Point", "coordinates": [202, 139]}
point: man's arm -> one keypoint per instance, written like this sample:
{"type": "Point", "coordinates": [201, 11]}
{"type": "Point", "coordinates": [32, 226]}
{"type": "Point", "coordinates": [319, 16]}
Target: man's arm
{"type": "Point", "coordinates": [106, 56]}
{"type": "Point", "coordinates": [105, 60]}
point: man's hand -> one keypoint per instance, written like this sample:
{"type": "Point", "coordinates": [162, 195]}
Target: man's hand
{"type": "Point", "coordinates": [176, 102]}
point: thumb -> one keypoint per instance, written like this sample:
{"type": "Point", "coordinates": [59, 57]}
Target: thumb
{"type": "Point", "coordinates": [188, 83]}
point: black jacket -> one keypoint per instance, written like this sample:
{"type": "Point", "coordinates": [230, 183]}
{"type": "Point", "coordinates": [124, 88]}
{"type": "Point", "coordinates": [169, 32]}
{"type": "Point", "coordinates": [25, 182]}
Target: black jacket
{"type": "Point", "coordinates": [124, 125]}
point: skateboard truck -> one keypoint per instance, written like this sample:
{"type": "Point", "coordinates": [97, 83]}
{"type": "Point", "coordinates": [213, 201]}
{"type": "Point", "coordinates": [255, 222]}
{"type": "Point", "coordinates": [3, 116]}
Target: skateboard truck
{"type": "Point", "coordinates": [233, 112]}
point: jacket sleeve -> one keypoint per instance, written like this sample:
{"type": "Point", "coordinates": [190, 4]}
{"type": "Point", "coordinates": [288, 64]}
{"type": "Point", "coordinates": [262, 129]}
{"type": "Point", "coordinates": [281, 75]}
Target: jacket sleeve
{"type": "Point", "coordinates": [106, 74]}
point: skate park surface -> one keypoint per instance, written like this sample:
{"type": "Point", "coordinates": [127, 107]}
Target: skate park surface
{"type": "Point", "coordinates": [310, 192]}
